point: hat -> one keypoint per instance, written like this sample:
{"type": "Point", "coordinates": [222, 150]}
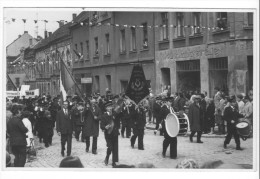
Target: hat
{"type": "Point", "coordinates": [71, 162]}
{"type": "Point", "coordinates": [240, 96]}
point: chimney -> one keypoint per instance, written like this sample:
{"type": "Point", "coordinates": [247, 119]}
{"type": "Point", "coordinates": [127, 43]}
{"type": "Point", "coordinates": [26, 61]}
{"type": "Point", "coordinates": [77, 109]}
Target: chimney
{"type": "Point", "coordinates": [26, 32]}
{"type": "Point", "coordinates": [39, 38]}
{"type": "Point", "coordinates": [19, 36]}
{"type": "Point", "coordinates": [45, 34]}
{"type": "Point", "coordinates": [61, 23]}
{"type": "Point", "coordinates": [50, 33]}
{"type": "Point", "coordinates": [74, 15]}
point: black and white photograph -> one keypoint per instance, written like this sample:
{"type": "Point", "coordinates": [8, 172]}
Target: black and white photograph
{"type": "Point", "coordinates": [130, 89]}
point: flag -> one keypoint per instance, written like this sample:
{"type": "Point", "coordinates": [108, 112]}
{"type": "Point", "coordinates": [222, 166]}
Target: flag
{"type": "Point", "coordinates": [8, 77]}
{"type": "Point", "coordinates": [66, 80]}
{"type": "Point", "coordinates": [137, 88]}
{"type": "Point", "coordinates": [78, 54]}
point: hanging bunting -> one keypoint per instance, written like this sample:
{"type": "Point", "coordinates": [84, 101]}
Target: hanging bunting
{"type": "Point", "coordinates": [35, 21]}
{"type": "Point", "coordinates": [24, 20]}
{"type": "Point", "coordinates": [13, 19]}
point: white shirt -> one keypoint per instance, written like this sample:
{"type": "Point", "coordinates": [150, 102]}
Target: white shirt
{"type": "Point", "coordinates": [241, 105]}
{"type": "Point", "coordinates": [29, 134]}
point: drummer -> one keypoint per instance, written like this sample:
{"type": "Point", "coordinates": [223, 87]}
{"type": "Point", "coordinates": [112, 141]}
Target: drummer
{"type": "Point", "coordinates": [172, 141]}
{"type": "Point", "coordinates": [231, 115]}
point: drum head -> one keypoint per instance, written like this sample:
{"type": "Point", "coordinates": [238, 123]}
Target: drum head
{"type": "Point", "coordinates": [172, 125]}
{"type": "Point", "coordinates": [242, 125]}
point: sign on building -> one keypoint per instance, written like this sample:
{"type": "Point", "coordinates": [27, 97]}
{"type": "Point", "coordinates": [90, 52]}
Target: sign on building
{"type": "Point", "coordinates": [86, 80]}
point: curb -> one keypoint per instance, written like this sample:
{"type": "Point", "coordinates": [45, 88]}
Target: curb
{"type": "Point", "coordinates": [203, 135]}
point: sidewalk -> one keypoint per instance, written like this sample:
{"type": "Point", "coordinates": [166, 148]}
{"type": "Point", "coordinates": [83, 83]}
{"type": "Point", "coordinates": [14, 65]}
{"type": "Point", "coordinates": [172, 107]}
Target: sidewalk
{"type": "Point", "coordinates": [151, 126]}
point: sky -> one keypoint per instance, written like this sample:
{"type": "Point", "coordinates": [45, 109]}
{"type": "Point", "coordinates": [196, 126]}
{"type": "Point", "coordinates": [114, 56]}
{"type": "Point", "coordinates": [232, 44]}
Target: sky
{"type": "Point", "coordinates": [13, 29]}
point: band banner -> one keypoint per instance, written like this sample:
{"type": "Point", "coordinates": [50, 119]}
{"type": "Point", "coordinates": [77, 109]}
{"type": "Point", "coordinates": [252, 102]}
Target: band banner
{"type": "Point", "coordinates": [137, 88]}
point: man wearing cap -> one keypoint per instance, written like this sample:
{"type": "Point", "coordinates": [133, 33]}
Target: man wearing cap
{"type": "Point", "coordinates": [231, 115]}
{"type": "Point", "coordinates": [110, 125]}
{"type": "Point", "coordinates": [195, 119]}
{"type": "Point", "coordinates": [64, 127]}
{"type": "Point", "coordinates": [91, 125]}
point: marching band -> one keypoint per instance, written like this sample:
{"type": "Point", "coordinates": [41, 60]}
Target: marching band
{"type": "Point", "coordinates": [84, 118]}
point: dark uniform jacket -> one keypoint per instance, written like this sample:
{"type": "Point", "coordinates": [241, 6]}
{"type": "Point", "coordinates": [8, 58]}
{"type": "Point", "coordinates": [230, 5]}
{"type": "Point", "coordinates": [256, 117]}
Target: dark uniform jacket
{"type": "Point", "coordinates": [139, 119]}
{"type": "Point", "coordinates": [17, 132]}
{"type": "Point", "coordinates": [106, 120]}
{"type": "Point", "coordinates": [127, 116]}
{"type": "Point", "coordinates": [78, 116]}
{"type": "Point", "coordinates": [231, 113]}
{"type": "Point", "coordinates": [91, 125]}
{"type": "Point", "coordinates": [64, 124]}
{"type": "Point", "coordinates": [157, 111]}
{"type": "Point", "coordinates": [47, 125]}
{"type": "Point", "coordinates": [195, 117]}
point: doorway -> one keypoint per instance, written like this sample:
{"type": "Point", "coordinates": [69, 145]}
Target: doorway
{"type": "Point", "coordinates": [166, 78]}
{"type": "Point", "coordinates": [188, 75]}
{"type": "Point", "coordinates": [218, 75]}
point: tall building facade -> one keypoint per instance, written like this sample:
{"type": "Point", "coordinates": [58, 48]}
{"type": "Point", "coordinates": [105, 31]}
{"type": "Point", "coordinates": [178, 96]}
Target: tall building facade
{"type": "Point", "coordinates": [203, 50]}
{"type": "Point", "coordinates": [48, 53]}
{"type": "Point", "coordinates": [110, 44]}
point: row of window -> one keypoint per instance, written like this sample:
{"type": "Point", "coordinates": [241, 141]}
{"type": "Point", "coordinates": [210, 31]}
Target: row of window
{"type": "Point", "coordinates": [122, 42]}
{"type": "Point", "coordinates": [221, 22]}
{"type": "Point", "coordinates": [179, 31]}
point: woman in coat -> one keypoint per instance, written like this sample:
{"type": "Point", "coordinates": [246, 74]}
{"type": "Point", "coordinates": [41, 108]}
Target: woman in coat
{"type": "Point", "coordinates": [93, 115]}
{"type": "Point", "coordinates": [17, 132]}
{"type": "Point", "coordinates": [195, 119]}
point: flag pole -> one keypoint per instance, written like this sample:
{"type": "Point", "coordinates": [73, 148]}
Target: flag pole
{"type": "Point", "coordinates": [63, 63]}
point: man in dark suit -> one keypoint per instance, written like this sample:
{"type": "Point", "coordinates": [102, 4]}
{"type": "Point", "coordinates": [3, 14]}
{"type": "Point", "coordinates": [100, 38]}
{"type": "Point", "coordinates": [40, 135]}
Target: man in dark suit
{"type": "Point", "coordinates": [139, 121]}
{"type": "Point", "coordinates": [110, 125]}
{"type": "Point", "coordinates": [231, 115]}
{"type": "Point", "coordinates": [90, 128]}
{"type": "Point", "coordinates": [195, 119]}
{"type": "Point", "coordinates": [64, 127]}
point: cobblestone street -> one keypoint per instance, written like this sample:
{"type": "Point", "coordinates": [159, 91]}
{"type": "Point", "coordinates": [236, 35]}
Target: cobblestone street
{"type": "Point", "coordinates": [211, 149]}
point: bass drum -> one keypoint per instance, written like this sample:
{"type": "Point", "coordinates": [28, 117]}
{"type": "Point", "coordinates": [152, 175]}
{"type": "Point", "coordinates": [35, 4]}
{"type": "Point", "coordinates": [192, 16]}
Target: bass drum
{"type": "Point", "coordinates": [177, 124]}
{"type": "Point", "coordinates": [183, 122]}
{"type": "Point", "coordinates": [244, 128]}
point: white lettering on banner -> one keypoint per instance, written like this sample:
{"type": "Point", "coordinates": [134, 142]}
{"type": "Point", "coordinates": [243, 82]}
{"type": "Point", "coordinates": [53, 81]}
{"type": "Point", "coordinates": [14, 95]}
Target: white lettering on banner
{"type": "Point", "coordinates": [12, 94]}
{"type": "Point", "coordinates": [31, 93]}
